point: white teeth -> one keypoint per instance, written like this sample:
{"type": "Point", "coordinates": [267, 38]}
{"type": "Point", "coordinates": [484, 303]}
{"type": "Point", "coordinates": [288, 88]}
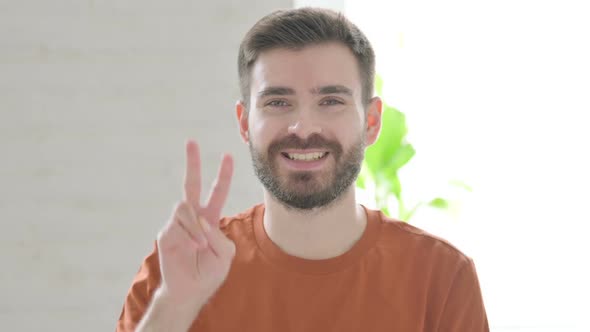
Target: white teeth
{"type": "Point", "coordinates": [306, 156]}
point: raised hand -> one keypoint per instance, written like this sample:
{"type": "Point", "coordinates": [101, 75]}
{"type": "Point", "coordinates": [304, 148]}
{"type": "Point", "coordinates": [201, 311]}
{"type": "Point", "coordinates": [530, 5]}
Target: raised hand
{"type": "Point", "coordinates": [195, 256]}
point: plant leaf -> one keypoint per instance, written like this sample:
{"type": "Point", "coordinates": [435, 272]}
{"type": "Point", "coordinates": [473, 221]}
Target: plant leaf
{"type": "Point", "coordinates": [388, 182]}
{"type": "Point", "coordinates": [360, 181]}
{"type": "Point", "coordinates": [401, 156]}
{"type": "Point", "coordinates": [439, 203]}
{"type": "Point", "coordinates": [393, 132]}
{"type": "Point", "coordinates": [385, 211]}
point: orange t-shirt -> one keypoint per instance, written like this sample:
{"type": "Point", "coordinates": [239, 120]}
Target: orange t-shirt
{"type": "Point", "coordinates": [395, 278]}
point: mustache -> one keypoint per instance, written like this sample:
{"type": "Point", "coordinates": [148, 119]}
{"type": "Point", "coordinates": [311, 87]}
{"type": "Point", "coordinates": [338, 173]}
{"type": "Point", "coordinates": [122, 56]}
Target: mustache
{"type": "Point", "coordinates": [315, 141]}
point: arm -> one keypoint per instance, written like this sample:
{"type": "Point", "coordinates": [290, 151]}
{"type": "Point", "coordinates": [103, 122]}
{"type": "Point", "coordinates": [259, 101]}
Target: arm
{"type": "Point", "coordinates": [190, 262]}
{"type": "Point", "coordinates": [148, 307]}
{"type": "Point", "coordinates": [143, 288]}
{"type": "Point", "coordinates": [464, 308]}
{"type": "Point", "coordinates": [164, 314]}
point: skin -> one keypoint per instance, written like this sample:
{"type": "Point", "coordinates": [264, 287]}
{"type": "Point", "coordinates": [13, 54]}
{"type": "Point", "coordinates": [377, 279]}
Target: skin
{"type": "Point", "coordinates": [338, 117]}
{"type": "Point", "coordinates": [195, 256]}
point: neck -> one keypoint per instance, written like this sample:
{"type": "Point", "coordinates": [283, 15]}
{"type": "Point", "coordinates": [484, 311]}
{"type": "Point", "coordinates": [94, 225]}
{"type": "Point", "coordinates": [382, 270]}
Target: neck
{"type": "Point", "coordinates": [319, 233]}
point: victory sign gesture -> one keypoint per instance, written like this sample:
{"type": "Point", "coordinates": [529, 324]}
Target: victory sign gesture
{"type": "Point", "coordinates": [195, 256]}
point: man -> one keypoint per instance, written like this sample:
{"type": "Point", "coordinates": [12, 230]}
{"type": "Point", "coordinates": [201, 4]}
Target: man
{"type": "Point", "coordinates": [310, 258]}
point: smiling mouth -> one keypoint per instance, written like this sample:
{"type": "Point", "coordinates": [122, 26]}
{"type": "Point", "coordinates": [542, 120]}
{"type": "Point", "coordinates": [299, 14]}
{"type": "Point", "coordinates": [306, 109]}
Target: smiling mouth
{"type": "Point", "coordinates": [312, 156]}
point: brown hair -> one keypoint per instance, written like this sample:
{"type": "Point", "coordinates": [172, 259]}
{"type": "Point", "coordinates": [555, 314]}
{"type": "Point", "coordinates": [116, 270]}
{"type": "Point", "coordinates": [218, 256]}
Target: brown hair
{"type": "Point", "coordinates": [297, 28]}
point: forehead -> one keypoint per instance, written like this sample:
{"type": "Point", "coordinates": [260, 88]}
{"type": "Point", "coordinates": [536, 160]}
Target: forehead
{"type": "Point", "coordinates": [307, 68]}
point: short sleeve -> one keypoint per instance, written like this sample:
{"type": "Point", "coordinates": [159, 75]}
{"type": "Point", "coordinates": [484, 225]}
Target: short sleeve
{"type": "Point", "coordinates": [144, 284]}
{"type": "Point", "coordinates": [464, 309]}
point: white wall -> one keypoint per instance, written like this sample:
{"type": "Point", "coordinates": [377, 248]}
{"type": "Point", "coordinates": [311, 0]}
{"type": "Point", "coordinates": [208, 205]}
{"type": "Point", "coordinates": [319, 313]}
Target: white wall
{"type": "Point", "coordinates": [496, 95]}
{"type": "Point", "coordinates": [96, 101]}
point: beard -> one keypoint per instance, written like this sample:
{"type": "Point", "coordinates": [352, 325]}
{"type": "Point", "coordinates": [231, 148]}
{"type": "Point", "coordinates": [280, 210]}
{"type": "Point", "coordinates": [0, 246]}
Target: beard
{"type": "Point", "coordinates": [306, 190]}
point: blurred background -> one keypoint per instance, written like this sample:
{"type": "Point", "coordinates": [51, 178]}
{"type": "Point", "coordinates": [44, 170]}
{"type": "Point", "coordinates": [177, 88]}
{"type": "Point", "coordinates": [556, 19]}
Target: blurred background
{"type": "Point", "coordinates": [98, 97]}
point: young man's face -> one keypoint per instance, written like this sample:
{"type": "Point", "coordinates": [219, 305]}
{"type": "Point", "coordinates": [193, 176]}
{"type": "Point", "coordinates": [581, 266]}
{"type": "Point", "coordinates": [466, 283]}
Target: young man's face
{"type": "Point", "coordinates": [306, 126]}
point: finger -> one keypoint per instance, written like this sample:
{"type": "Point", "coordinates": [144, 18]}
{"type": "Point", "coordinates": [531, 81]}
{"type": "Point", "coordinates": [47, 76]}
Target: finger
{"type": "Point", "coordinates": [187, 219]}
{"type": "Point", "coordinates": [220, 189]}
{"type": "Point", "coordinates": [192, 177]}
{"type": "Point", "coordinates": [174, 235]}
{"type": "Point", "coordinates": [220, 244]}
{"type": "Point", "coordinates": [179, 234]}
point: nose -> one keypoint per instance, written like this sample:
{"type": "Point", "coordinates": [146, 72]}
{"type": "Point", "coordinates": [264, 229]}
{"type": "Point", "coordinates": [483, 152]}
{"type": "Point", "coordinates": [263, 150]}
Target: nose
{"type": "Point", "coordinates": [304, 128]}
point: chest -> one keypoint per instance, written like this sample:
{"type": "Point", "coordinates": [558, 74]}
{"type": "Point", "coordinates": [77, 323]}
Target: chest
{"type": "Point", "coordinates": [357, 299]}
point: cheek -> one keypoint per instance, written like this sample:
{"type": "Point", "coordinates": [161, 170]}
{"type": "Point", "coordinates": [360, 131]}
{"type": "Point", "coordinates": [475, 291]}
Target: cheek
{"type": "Point", "coordinates": [347, 128]}
{"type": "Point", "coordinates": [263, 131]}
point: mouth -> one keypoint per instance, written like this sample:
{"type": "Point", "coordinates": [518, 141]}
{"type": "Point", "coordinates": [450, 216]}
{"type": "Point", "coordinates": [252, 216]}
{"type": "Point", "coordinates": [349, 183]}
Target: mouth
{"type": "Point", "coordinates": [300, 160]}
{"type": "Point", "coordinates": [307, 156]}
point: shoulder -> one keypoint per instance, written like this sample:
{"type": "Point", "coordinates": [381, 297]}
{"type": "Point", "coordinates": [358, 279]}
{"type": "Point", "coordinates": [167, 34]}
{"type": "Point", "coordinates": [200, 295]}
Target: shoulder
{"type": "Point", "coordinates": [417, 243]}
{"type": "Point", "coordinates": [241, 222]}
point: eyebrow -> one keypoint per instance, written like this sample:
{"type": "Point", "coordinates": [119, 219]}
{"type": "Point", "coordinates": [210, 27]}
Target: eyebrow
{"type": "Point", "coordinates": [322, 90]}
{"type": "Point", "coordinates": [276, 91]}
{"type": "Point", "coordinates": [332, 89]}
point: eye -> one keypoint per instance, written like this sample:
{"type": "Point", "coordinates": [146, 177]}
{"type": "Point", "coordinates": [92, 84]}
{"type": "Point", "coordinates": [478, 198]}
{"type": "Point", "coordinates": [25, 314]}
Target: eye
{"type": "Point", "coordinates": [331, 101]}
{"type": "Point", "coordinates": [277, 103]}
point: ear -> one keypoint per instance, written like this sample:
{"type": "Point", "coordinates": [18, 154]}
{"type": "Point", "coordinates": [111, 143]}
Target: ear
{"type": "Point", "coordinates": [242, 115]}
{"type": "Point", "coordinates": [373, 120]}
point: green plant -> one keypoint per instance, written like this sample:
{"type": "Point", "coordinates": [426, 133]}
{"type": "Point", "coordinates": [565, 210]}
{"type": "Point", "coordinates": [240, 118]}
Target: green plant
{"type": "Point", "coordinates": [379, 174]}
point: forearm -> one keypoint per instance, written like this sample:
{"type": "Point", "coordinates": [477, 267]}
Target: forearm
{"type": "Point", "coordinates": [166, 314]}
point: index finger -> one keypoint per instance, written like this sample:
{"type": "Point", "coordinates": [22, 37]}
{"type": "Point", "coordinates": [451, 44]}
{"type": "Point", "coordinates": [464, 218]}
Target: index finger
{"type": "Point", "coordinates": [192, 176]}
